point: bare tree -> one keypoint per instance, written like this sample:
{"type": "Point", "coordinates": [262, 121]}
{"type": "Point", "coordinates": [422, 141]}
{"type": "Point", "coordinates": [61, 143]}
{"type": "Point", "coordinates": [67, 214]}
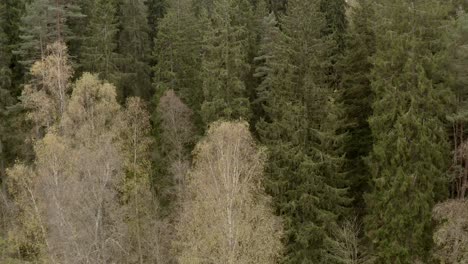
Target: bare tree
{"type": "Point", "coordinates": [178, 132]}
{"type": "Point", "coordinates": [451, 234]}
{"type": "Point", "coordinates": [226, 216]}
{"type": "Point", "coordinates": [345, 246]}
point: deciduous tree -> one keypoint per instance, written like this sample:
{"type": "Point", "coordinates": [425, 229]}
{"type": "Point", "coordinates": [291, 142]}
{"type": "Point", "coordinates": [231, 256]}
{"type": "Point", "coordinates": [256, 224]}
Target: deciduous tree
{"type": "Point", "coordinates": [226, 216]}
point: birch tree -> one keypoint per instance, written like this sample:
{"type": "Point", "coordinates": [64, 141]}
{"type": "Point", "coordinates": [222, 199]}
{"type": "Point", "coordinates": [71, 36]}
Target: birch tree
{"type": "Point", "coordinates": [140, 206]}
{"type": "Point", "coordinates": [46, 95]}
{"type": "Point", "coordinates": [226, 217]}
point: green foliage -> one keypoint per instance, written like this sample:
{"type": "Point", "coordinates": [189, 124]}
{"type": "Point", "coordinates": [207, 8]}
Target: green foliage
{"type": "Point", "coordinates": [177, 52]}
{"type": "Point", "coordinates": [134, 48]}
{"type": "Point", "coordinates": [410, 152]}
{"type": "Point", "coordinates": [357, 96]}
{"type": "Point", "coordinates": [335, 21]}
{"type": "Point", "coordinates": [45, 22]}
{"type": "Point", "coordinates": [98, 52]}
{"type": "Point", "coordinates": [10, 75]}
{"type": "Point", "coordinates": [156, 12]}
{"type": "Point", "coordinates": [225, 63]}
{"type": "Point", "coordinates": [301, 127]}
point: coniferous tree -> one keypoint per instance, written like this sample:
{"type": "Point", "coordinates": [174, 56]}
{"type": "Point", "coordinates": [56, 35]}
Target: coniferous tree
{"type": "Point", "coordinates": [335, 21]}
{"type": "Point", "coordinates": [12, 11]}
{"type": "Point", "coordinates": [301, 127]}
{"type": "Point", "coordinates": [44, 22]}
{"type": "Point", "coordinates": [5, 97]}
{"type": "Point", "coordinates": [335, 27]}
{"type": "Point", "coordinates": [225, 63]}
{"type": "Point", "coordinates": [98, 53]}
{"type": "Point", "coordinates": [134, 48]}
{"type": "Point", "coordinates": [356, 67]}
{"type": "Point", "coordinates": [409, 157]}
{"type": "Point", "coordinates": [156, 11]}
{"type": "Point", "coordinates": [177, 52]}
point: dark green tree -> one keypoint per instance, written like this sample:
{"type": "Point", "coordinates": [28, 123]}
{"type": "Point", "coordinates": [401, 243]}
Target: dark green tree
{"type": "Point", "coordinates": [12, 12]}
{"type": "Point", "coordinates": [156, 11]}
{"type": "Point", "coordinates": [98, 52]}
{"type": "Point", "coordinates": [336, 22]}
{"type": "Point", "coordinates": [44, 22]}
{"type": "Point", "coordinates": [410, 153]}
{"type": "Point", "coordinates": [135, 50]}
{"type": "Point", "coordinates": [177, 52]}
{"type": "Point", "coordinates": [177, 71]}
{"type": "Point", "coordinates": [5, 84]}
{"type": "Point", "coordinates": [301, 129]}
{"type": "Point", "coordinates": [356, 67]}
{"type": "Point", "coordinates": [11, 138]}
{"type": "Point", "coordinates": [225, 63]}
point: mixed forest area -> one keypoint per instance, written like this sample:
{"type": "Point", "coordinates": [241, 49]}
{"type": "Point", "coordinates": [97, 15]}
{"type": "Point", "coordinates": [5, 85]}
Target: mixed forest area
{"type": "Point", "coordinates": [234, 131]}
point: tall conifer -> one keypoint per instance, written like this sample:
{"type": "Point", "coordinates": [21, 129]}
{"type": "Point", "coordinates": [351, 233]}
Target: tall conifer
{"type": "Point", "coordinates": [409, 156]}
{"type": "Point", "coordinates": [98, 53]}
{"type": "Point", "coordinates": [225, 62]}
{"type": "Point", "coordinates": [301, 127]}
{"type": "Point", "coordinates": [45, 22]}
{"type": "Point", "coordinates": [135, 50]}
{"type": "Point", "coordinates": [356, 67]}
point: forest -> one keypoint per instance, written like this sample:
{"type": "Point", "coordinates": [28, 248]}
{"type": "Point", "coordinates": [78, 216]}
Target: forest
{"type": "Point", "coordinates": [234, 131]}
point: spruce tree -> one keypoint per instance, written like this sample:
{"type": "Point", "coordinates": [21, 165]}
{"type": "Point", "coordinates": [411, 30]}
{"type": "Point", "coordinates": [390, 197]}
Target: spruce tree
{"type": "Point", "coordinates": [335, 21]}
{"type": "Point", "coordinates": [156, 11]}
{"type": "Point", "coordinates": [301, 130]}
{"type": "Point", "coordinates": [134, 48]}
{"type": "Point", "coordinates": [225, 63]}
{"type": "Point", "coordinates": [409, 156]}
{"type": "Point", "coordinates": [12, 11]}
{"type": "Point", "coordinates": [178, 83]}
{"type": "Point", "coordinates": [356, 67]}
{"type": "Point", "coordinates": [98, 53]}
{"type": "Point", "coordinates": [45, 22]}
{"type": "Point", "coordinates": [177, 52]}
{"type": "Point", "coordinates": [11, 73]}
{"type": "Point", "coordinates": [5, 84]}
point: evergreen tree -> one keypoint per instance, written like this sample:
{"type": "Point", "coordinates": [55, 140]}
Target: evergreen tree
{"type": "Point", "coordinates": [409, 156]}
{"type": "Point", "coordinates": [134, 48]}
{"type": "Point", "coordinates": [178, 92]}
{"type": "Point", "coordinates": [5, 55]}
{"type": "Point", "coordinates": [11, 15]}
{"type": "Point", "coordinates": [45, 22]}
{"type": "Point", "coordinates": [5, 84]}
{"type": "Point", "coordinates": [335, 28]}
{"type": "Point", "coordinates": [98, 53]}
{"type": "Point", "coordinates": [277, 6]}
{"type": "Point", "coordinates": [225, 62]}
{"type": "Point", "coordinates": [356, 67]}
{"type": "Point", "coordinates": [335, 21]}
{"type": "Point", "coordinates": [177, 52]}
{"type": "Point", "coordinates": [156, 11]}
{"type": "Point", "coordinates": [11, 139]}
{"type": "Point", "coordinates": [301, 127]}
